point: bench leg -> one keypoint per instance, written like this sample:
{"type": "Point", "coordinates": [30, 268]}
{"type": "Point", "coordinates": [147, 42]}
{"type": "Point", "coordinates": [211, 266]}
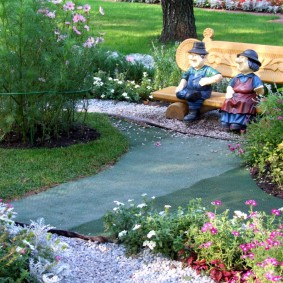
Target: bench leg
{"type": "Point", "coordinates": [177, 110]}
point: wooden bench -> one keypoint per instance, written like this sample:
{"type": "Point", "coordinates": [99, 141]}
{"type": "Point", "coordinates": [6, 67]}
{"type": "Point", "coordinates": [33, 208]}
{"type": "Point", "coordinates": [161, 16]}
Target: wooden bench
{"type": "Point", "coordinates": [221, 57]}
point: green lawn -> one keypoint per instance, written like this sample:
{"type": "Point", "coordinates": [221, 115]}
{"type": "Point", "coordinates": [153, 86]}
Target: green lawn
{"type": "Point", "coordinates": [132, 27]}
{"type": "Point", "coordinates": [25, 170]}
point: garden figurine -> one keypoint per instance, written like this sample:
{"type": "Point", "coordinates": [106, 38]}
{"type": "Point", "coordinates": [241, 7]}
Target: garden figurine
{"type": "Point", "coordinates": [195, 85]}
{"type": "Point", "coordinates": [239, 106]}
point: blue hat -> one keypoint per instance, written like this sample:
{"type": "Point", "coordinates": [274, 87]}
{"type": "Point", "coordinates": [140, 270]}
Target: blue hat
{"type": "Point", "coordinates": [198, 48]}
{"type": "Point", "coordinates": [251, 54]}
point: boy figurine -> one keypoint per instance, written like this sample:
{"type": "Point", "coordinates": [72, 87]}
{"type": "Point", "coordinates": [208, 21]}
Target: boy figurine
{"type": "Point", "coordinates": [240, 103]}
{"type": "Point", "coordinates": [195, 85]}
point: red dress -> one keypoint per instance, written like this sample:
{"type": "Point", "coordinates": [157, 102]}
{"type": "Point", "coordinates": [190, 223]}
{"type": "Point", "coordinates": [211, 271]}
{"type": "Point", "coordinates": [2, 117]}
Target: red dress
{"type": "Point", "coordinates": [243, 100]}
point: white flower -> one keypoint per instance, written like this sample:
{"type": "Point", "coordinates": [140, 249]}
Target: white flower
{"type": "Point", "coordinates": [153, 197]}
{"type": "Point", "coordinates": [136, 227]}
{"type": "Point", "coordinates": [112, 90]}
{"type": "Point", "coordinates": [102, 96]}
{"type": "Point", "coordinates": [239, 214]}
{"type": "Point", "coordinates": [119, 82]}
{"type": "Point", "coordinates": [124, 94]}
{"type": "Point", "coordinates": [141, 205]}
{"type": "Point", "coordinates": [149, 244]}
{"type": "Point", "coordinates": [130, 200]}
{"type": "Point", "coordinates": [151, 234]}
{"type": "Point", "coordinates": [118, 203]}
{"type": "Point", "coordinates": [137, 86]}
{"type": "Point", "coordinates": [148, 87]}
{"type": "Point", "coordinates": [144, 195]}
{"type": "Point", "coordinates": [167, 206]}
{"type": "Point", "coordinates": [145, 74]}
{"type": "Point", "coordinates": [116, 208]}
{"type": "Point", "coordinates": [110, 79]}
{"type": "Point", "coordinates": [122, 233]}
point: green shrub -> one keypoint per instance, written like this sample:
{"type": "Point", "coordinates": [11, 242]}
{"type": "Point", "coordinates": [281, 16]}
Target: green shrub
{"type": "Point", "coordinates": [46, 51]}
{"type": "Point", "coordinates": [263, 138]}
{"type": "Point", "coordinates": [167, 72]}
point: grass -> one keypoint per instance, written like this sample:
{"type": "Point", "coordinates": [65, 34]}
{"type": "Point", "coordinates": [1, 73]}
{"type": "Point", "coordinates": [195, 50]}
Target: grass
{"type": "Point", "coordinates": [32, 170]}
{"type": "Point", "coordinates": [133, 27]}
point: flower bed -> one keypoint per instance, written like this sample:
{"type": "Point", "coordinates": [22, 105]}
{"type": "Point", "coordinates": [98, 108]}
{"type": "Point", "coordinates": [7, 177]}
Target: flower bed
{"type": "Point", "coordinates": [244, 248]}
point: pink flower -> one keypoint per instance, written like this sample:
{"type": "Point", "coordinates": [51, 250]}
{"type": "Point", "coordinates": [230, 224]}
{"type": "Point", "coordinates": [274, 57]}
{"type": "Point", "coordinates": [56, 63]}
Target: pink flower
{"type": "Point", "coordinates": [272, 277]}
{"type": "Point", "coordinates": [210, 215]}
{"type": "Point", "coordinates": [76, 31]}
{"type": "Point", "coordinates": [236, 233]}
{"type": "Point", "coordinates": [158, 143]}
{"type": "Point", "coordinates": [130, 59]}
{"type": "Point", "coordinates": [69, 6]}
{"type": "Point", "coordinates": [86, 27]}
{"type": "Point", "coordinates": [89, 43]}
{"type": "Point", "coordinates": [86, 8]}
{"type": "Point", "coordinates": [57, 258]}
{"type": "Point", "coordinates": [78, 18]}
{"type": "Point", "coordinates": [206, 245]}
{"type": "Point", "coordinates": [251, 202]}
{"type": "Point", "coordinates": [280, 118]}
{"type": "Point", "coordinates": [276, 212]}
{"type": "Point", "coordinates": [217, 202]}
{"type": "Point", "coordinates": [213, 231]}
{"type": "Point", "coordinates": [51, 15]}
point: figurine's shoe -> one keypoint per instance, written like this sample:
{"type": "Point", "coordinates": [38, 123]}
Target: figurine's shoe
{"type": "Point", "coordinates": [192, 116]}
{"type": "Point", "coordinates": [236, 127]}
{"type": "Point", "coordinates": [225, 126]}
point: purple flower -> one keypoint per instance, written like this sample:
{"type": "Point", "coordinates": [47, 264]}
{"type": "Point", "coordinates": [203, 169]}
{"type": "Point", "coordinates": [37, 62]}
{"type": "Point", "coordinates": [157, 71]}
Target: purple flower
{"type": "Point", "coordinates": [210, 215]}
{"type": "Point", "coordinates": [69, 6]}
{"type": "Point", "coordinates": [251, 202]}
{"type": "Point", "coordinates": [276, 212]}
{"type": "Point", "coordinates": [217, 202]}
{"type": "Point", "coordinates": [236, 233]}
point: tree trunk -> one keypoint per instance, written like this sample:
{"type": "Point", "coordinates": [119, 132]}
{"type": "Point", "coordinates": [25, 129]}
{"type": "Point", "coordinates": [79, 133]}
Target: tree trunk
{"type": "Point", "coordinates": [178, 20]}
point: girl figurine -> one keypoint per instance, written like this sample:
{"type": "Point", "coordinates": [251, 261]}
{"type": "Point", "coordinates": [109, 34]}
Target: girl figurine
{"type": "Point", "coordinates": [240, 103]}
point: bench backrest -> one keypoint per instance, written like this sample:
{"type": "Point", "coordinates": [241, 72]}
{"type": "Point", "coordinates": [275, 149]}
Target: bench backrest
{"type": "Point", "coordinates": [222, 57]}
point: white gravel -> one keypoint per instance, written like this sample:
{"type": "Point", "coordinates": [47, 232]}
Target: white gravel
{"type": "Point", "coordinates": [154, 114]}
{"type": "Point", "coordinates": [91, 262]}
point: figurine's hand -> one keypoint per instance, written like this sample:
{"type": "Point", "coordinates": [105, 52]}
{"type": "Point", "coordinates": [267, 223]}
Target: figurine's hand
{"type": "Point", "coordinates": [229, 92]}
{"type": "Point", "coordinates": [178, 89]}
{"type": "Point", "coordinates": [205, 81]}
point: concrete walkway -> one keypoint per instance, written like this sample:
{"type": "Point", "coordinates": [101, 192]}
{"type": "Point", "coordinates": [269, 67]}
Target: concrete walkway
{"type": "Point", "coordinates": [173, 168]}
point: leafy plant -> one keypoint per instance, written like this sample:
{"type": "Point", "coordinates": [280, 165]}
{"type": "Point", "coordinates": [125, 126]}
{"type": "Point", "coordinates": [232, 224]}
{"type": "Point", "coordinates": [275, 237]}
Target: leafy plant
{"type": "Point", "coordinates": [261, 148]}
{"type": "Point", "coordinates": [166, 70]}
{"type": "Point", "coordinates": [45, 51]}
{"type": "Point", "coordinates": [118, 88]}
{"type": "Point", "coordinates": [28, 254]}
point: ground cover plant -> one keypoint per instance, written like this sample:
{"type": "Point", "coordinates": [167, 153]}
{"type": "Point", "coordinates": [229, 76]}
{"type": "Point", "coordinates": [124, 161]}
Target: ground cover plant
{"type": "Point", "coordinates": [244, 248]}
{"type": "Point", "coordinates": [29, 254]}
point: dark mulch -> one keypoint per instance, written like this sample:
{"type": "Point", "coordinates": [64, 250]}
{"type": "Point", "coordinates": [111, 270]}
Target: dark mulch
{"type": "Point", "coordinates": [264, 182]}
{"type": "Point", "coordinates": [77, 134]}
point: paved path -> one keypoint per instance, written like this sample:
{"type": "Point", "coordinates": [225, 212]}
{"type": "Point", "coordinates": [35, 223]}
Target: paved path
{"type": "Point", "coordinates": [173, 168]}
